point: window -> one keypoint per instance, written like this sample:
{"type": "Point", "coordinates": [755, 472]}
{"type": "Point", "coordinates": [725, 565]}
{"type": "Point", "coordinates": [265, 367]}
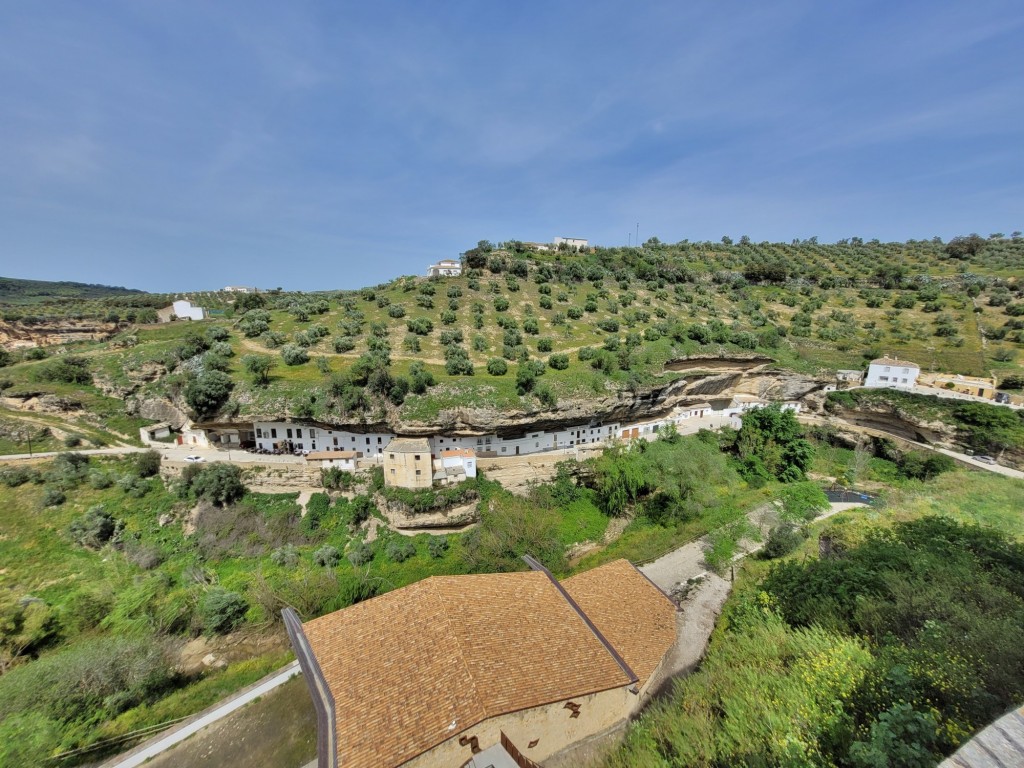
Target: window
{"type": "Point", "coordinates": [367, 441]}
{"type": "Point", "coordinates": [289, 432]}
{"type": "Point", "coordinates": [312, 446]}
{"type": "Point", "coordinates": [273, 433]}
{"type": "Point", "coordinates": [259, 432]}
{"type": "Point", "coordinates": [503, 449]}
{"type": "Point", "coordinates": [416, 457]}
{"type": "Point", "coordinates": [378, 441]}
{"type": "Point", "coordinates": [418, 472]}
{"type": "Point", "coordinates": [883, 378]}
{"type": "Point", "coordinates": [392, 470]}
{"type": "Point", "coordinates": [392, 458]}
{"type": "Point", "coordinates": [298, 433]}
{"type": "Point", "coordinates": [335, 442]}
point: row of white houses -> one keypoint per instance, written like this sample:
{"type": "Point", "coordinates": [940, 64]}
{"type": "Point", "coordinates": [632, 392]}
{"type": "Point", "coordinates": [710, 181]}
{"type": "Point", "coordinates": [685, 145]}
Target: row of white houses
{"type": "Point", "coordinates": [293, 436]}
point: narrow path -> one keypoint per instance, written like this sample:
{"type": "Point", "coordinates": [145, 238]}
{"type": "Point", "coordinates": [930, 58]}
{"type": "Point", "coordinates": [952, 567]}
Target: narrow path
{"type": "Point", "coordinates": [155, 746]}
{"type": "Point", "coordinates": [88, 452]}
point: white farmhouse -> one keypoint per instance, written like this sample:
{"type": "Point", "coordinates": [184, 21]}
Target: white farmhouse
{"type": "Point", "coordinates": [345, 460]}
{"type": "Point", "coordinates": [572, 242]}
{"type": "Point", "coordinates": [445, 268]}
{"type": "Point", "coordinates": [183, 309]}
{"type": "Point", "coordinates": [892, 372]}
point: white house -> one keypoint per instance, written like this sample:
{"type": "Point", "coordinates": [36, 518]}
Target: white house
{"type": "Point", "coordinates": [238, 289]}
{"type": "Point", "coordinates": [892, 372]}
{"type": "Point", "coordinates": [345, 460]}
{"type": "Point", "coordinates": [290, 437]}
{"type": "Point", "coordinates": [464, 458]}
{"type": "Point", "coordinates": [445, 268]}
{"type": "Point", "coordinates": [572, 242]}
{"type": "Point", "coordinates": [181, 309]}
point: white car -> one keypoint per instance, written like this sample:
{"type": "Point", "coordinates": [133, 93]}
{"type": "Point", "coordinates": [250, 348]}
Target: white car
{"type": "Point", "coordinates": [194, 459]}
{"type": "Point", "coordinates": [985, 459]}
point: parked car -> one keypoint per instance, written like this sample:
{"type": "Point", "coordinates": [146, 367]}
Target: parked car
{"type": "Point", "coordinates": [194, 459]}
{"type": "Point", "coordinates": [985, 459]}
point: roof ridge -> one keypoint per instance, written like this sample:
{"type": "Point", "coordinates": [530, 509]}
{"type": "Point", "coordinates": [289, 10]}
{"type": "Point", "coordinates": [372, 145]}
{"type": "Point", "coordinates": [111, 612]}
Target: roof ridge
{"type": "Point", "coordinates": [536, 565]}
{"type": "Point", "coordinates": [432, 580]}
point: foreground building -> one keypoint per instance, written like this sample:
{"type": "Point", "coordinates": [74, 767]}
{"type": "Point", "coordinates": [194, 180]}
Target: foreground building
{"type": "Point", "coordinates": [515, 665]}
{"type": "Point", "coordinates": [893, 373]}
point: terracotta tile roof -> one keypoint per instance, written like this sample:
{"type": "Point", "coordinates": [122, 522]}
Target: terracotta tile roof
{"type": "Point", "coordinates": [318, 455]}
{"type": "Point", "coordinates": [465, 452]}
{"type": "Point", "coordinates": [890, 361]}
{"type": "Point", "coordinates": [408, 445]}
{"type": "Point", "coordinates": [633, 614]}
{"type": "Point", "coordinates": [412, 668]}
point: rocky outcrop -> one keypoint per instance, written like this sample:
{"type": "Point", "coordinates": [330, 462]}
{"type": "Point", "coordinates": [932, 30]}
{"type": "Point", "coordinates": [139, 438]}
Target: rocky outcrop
{"type": "Point", "coordinates": [888, 417]}
{"type": "Point", "coordinates": [20, 335]}
{"type": "Point", "coordinates": [401, 517]}
{"type": "Point", "coordinates": [157, 409]}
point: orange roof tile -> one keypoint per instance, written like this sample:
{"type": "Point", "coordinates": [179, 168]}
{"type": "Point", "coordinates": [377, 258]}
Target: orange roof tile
{"type": "Point", "coordinates": [633, 614]}
{"type": "Point", "coordinates": [416, 666]}
{"type": "Point", "coordinates": [466, 452]}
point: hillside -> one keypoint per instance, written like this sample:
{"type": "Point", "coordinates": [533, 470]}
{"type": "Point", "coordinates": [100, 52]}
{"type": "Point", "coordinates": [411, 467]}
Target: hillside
{"type": "Point", "coordinates": [542, 334]}
{"type": "Point", "coordinates": [15, 291]}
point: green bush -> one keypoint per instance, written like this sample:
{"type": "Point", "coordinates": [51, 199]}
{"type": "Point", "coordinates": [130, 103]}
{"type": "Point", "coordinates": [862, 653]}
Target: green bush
{"type": "Point", "coordinates": [399, 550]}
{"type": "Point", "coordinates": [360, 554]}
{"type": "Point", "coordinates": [208, 392]}
{"type": "Point", "coordinates": [53, 497]}
{"type": "Point", "coordinates": [559, 362]}
{"type": "Point", "coordinates": [221, 611]}
{"type": "Point", "coordinates": [286, 556]}
{"type": "Point", "coordinates": [14, 475]}
{"type": "Point", "coordinates": [95, 528]}
{"type": "Point", "coordinates": [218, 483]}
{"type": "Point", "coordinates": [327, 556]}
{"type": "Point", "coordinates": [497, 367]}
{"type": "Point", "coordinates": [68, 369]}
{"type": "Point", "coordinates": [147, 464]}
{"type": "Point", "coordinates": [438, 546]}
{"type": "Point", "coordinates": [782, 539]}
{"type": "Point", "coordinates": [292, 354]}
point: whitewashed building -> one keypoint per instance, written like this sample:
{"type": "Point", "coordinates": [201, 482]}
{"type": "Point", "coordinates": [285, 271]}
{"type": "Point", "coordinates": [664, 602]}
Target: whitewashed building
{"type": "Point", "coordinates": [572, 242]}
{"type": "Point", "coordinates": [186, 310]}
{"type": "Point", "coordinates": [445, 268]}
{"type": "Point", "coordinates": [290, 437]}
{"type": "Point", "coordinates": [345, 460]}
{"type": "Point", "coordinates": [893, 373]}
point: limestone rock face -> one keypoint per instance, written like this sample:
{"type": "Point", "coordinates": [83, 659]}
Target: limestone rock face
{"type": "Point", "coordinates": [159, 409]}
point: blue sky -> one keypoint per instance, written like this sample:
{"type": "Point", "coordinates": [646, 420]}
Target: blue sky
{"type": "Point", "coordinates": [309, 145]}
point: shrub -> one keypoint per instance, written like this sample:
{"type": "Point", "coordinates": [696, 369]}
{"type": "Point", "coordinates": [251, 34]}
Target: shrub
{"type": "Point", "coordinates": [147, 464]}
{"type": "Point", "coordinates": [545, 344]}
{"type": "Point", "coordinates": [218, 483]}
{"type": "Point", "coordinates": [221, 611]}
{"type": "Point", "coordinates": [53, 497]}
{"type": "Point", "coordinates": [286, 556]}
{"type": "Point", "coordinates": [68, 369]}
{"type": "Point", "coordinates": [559, 362]}
{"type": "Point", "coordinates": [574, 312]}
{"type": "Point", "coordinates": [327, 556]}
{"type": "Point", "coordinates": [208, 392]}
{"type": "Point", "coordinates": [93, 529]}
{"type": "Point", "coordinates": [420, 326]}
{"type": "Point", "coordinates": [399, 550]}
{"type": "Point", "coordinates": [292, 354]}
{"type": "Point", "coordinates": [344, 344]}
{"type": "Point", "coordinates": [501, 304]}
{"type": "Point", "coordinates": [584, 354]}
{"type": "Point", "coordinates": [360, 554]}
{"type": "Point", "coordinates": [14, 476]}
{"type": "Point", "coordinates": [782, 539]}
{"type": "Point", "coordinates": [497, 367]}
{"type": "Point", "coordinates": [438, 546]}
{"type": "Point", "coordinates": [609, 325]}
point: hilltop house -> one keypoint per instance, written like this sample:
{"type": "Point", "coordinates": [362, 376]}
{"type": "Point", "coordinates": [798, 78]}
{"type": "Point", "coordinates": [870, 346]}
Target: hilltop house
{"type": "Point", "coordinates": [892, 372]}
{"type": "Point", "coordinates": [445, 268]}
{"type": "Point", "coordinates": [576, 243]}
{"type": "Point", "coordinates": [514, 666]}
{"type": "Point", "coordinates": [182, 309]}
{"type": "Point", "coordinates": [407, 463]}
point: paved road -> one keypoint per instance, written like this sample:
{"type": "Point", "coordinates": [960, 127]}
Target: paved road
{"type": "Point", "coordinates": [155, 746]}
{"type": "Point", "coordinates": [971, 460]}
{"type": "Point", "coordinates": [123, 449]}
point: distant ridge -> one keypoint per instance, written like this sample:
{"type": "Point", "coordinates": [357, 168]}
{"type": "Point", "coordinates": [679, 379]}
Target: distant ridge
{"type": "Point", "coordinates": [15, 290]}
